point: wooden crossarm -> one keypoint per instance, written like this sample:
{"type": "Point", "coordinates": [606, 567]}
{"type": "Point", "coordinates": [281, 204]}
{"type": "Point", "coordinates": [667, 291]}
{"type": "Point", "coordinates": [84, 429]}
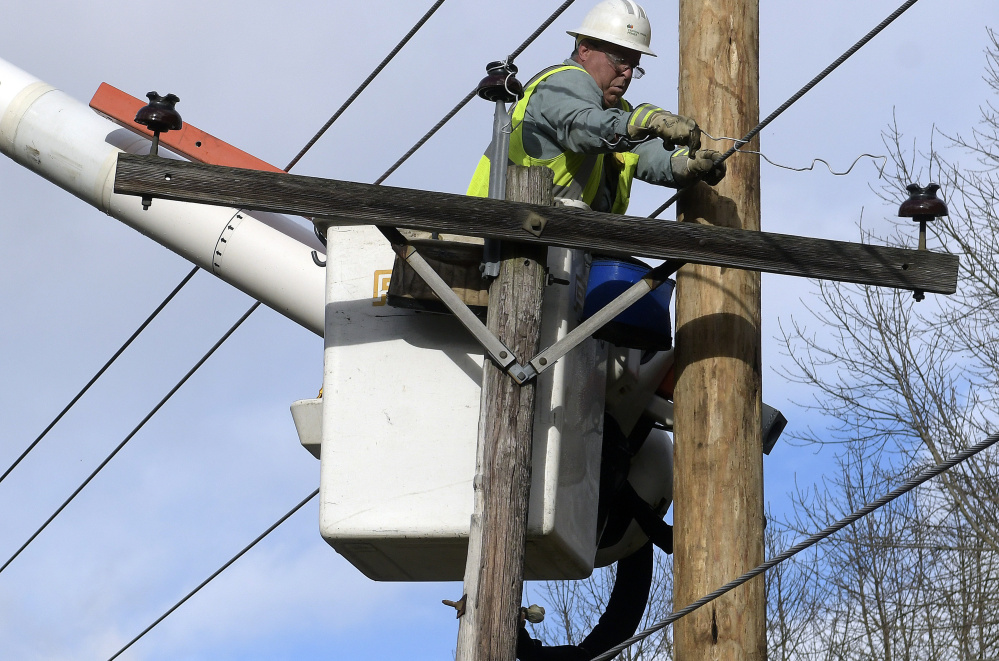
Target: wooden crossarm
{"type": "Point", "coordinates": [343, 202]}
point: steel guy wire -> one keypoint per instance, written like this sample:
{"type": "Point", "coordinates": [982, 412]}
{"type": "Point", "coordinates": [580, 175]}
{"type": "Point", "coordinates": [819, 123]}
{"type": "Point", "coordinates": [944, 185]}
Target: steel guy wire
{"type": "Point", "coordinates": [367, 81]}
{"type": "Point", "coordinates": [468, 97]}
{"type": "Point", "coordinates": [800, 93]}
{"type": "Point", "coordinates": [216, 573]}
{"type": "Point", "coordinates": [146, 419]}
{"type": "Point", "coordinates": [921, 477]}
{"type": "Point", "coordinates": [101, 371]}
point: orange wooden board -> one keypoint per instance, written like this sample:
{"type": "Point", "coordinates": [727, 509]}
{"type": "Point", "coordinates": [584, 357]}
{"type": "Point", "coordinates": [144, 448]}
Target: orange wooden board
{"type": "Point", "coordinates": [189, 141]}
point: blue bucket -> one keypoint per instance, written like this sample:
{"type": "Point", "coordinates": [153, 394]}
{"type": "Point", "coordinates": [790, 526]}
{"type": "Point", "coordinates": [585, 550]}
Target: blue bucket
{"type": "Point", "coordinates": [646, 324]}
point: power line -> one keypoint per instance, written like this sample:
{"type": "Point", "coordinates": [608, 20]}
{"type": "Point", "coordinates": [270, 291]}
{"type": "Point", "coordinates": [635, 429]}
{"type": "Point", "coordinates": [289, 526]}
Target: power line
{"type": "Point", "coordinates": [800, 93]}
{"type": "Point", "coordinates": [101, 371]}
{"type": "Point", "coordinates": [447, 117]}
{"type": "Point", "coordinates": [923, 476]}
{"type": "Point", "coordinates": [429, 134]}
{"type": "Point", "coordinates": [216, 573]}
{"type": "Point", "coordinates": [183, 282]}
{"type": "Point", "coordinates": [377, 70]}
{"type": "Point", "coordinates": [537, 33]}
{"type": "Point", "coordinates": [468, 97]}
{"type": "Point", "coordinates": [336, 115]}
{"type": "Point", "coordinates": [134, 432]}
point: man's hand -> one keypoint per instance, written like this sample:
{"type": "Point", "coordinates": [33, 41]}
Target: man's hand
{"type": "Point", "coordinates": [673, 129]}
{"type": "Point", "coordinates": [705, 164]}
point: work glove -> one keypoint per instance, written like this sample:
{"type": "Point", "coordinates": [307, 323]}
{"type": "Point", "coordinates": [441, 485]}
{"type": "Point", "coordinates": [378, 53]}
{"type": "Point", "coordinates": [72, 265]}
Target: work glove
{"type": "Point", "coordinates": [674, 130]}
{"type": "Point", "coordinates": [705, 164]}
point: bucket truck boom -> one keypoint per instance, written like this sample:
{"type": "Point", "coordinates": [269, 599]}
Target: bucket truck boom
{"type": "Point", "coordinates": [267, 256]}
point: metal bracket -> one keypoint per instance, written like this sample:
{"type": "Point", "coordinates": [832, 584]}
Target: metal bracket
{"type": "Point", "coordinates": [535, 224]}
{"type": "Point", "coordinates": [490, 265]}
{"type": "Point", "coordinates": [522, 374]}
{"type": "Point", "coordinates": [498, 351]}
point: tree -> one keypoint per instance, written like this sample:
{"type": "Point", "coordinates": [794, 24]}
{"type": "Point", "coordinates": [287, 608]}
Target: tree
{"type": "Point", "coordinates": [573, 608]}
{"type": "Point", "coordinates": [907, 384]}
{"type": "Point", "coordinates": [903, 384]}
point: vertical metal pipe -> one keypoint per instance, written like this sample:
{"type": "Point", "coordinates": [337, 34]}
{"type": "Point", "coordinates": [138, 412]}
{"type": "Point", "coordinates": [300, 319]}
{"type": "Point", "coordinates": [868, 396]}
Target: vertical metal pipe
{"type": "Point", "coordinates": [498, 161]}
{"type": "Point", "coordinates": [498, 152]}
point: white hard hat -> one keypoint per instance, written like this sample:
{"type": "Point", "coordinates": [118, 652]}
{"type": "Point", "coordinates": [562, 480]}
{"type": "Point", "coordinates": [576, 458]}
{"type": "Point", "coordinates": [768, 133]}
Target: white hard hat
{"type": "Point", "coordinates": [621, 22]}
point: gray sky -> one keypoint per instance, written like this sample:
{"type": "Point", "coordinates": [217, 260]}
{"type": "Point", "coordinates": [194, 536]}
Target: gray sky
{"type": "Point", "coordinates": [221, 460]}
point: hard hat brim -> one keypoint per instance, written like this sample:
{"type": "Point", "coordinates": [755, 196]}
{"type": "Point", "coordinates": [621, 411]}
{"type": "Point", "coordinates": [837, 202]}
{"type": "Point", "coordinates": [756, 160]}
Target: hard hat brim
{"type": "Point", "coordinates": [611, 39]}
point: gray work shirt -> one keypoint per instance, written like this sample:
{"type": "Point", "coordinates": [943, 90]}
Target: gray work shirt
{"type": "Point", "coordinates": [566, 113]}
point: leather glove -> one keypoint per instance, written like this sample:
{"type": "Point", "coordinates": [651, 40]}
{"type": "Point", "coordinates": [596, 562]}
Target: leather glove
{"type": "Point", "coordinates": [674, 130]}
{"type": "Point", "coordinates": [705, 164]}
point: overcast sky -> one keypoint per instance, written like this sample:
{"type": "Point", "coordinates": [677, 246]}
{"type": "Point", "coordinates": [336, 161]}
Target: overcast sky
{"type": "Point", "coordinates": [221, 461]}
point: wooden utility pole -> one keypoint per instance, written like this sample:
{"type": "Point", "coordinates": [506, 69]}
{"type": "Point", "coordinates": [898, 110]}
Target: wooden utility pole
{"type": "Point", "coordinates": [494, 571]}
{"type": "Point", "coordinates": [718, 483]}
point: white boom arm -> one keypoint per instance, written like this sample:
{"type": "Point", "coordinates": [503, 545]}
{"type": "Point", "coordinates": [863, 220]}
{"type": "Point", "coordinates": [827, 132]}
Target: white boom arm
{"type": "Point", "coordinates": [267, 256]}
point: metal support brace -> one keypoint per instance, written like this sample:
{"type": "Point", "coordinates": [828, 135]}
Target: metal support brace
{"type": "Point", "coordinates": [498, 351]}
{"type": "Point", "coordinates": [498, 165]}
{"type": "Point", "coordinates": [654, 279]}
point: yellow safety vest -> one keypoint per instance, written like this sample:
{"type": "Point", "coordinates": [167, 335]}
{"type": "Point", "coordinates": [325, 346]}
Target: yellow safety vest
{"type": "Point", "coordinates": [577, 176]}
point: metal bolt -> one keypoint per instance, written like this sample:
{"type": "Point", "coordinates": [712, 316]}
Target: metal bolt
{"type": "Point", "coordinates": [459, 605]}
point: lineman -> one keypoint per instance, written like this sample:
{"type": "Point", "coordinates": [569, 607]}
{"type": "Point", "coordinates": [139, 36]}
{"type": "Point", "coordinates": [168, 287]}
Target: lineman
{"type": "Point", "coordinates": [573, 118]}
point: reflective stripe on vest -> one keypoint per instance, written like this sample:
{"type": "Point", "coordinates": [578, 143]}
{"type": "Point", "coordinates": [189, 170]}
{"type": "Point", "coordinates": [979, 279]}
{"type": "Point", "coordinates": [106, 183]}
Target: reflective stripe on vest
{"type": "Point", "coordinates": [576, 176]}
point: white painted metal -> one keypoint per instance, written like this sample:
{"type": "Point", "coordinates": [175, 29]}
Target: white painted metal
{"type": "Point", "coordinates": [308, 417]}
{"type": "Point", "coordinates": [401, 407]}
{"type": "Point", "coordinates": [63, 140]}
{"type": "Point", "coordinates": [651, 476]}
{"type": "Point", "coordinates": [632, 384]}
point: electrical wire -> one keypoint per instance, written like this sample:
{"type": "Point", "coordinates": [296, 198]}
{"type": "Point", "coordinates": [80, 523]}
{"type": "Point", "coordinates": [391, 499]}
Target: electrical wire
{"type": "Point", "coordinates": [809, 168]}
{"type": "Point", "coordinates": [800, 93]}
{"type": "Point", "coordinates": [377, 70]}
{"type": "Point", "coordinates": [216, 573]}
{"type": "Point", "coordinates": [429, 134]}
{"type": "Point", "coordinates": [922, 476]}
{"type": "Point", "coordinates": [419, 144]}
{"type": "Point", "coordinates": [336, 115]}
{"type": "Point", "coordinates": [468, 97]}
{"type": "Point", "coordinates": [101, 371]}
{"type": "Point", "coordinates": [183, 282]}
{"type": "Point", "coordinates": [146, 419]}
{"type": "Point", "coordinates": [537, 33]}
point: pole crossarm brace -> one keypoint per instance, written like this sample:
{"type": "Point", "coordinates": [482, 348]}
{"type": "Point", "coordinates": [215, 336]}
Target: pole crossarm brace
{"type": "Point", "coordinates": [353, 203]}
